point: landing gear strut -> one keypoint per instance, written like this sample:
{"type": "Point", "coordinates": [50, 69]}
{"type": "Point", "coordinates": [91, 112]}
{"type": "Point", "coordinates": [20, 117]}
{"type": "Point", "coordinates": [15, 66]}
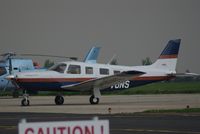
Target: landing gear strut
{"type": "Point", "coordinates": [59, 100]}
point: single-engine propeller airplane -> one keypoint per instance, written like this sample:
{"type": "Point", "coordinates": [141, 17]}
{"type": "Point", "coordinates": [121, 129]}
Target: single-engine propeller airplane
{"type": "Point", "coordinates": [94, 77]}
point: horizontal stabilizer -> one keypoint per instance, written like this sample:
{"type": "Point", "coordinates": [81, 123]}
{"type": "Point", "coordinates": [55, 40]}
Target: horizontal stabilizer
{"type": "Point", "coordinates": [183, 75]}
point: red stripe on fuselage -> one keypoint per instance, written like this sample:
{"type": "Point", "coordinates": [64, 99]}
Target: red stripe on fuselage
{"type": "Point", "coordinates": [168, 56]}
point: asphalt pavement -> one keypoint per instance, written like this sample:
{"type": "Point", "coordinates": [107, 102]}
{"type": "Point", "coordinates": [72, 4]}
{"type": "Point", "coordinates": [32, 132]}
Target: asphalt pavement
{"type": "Point", "coordinates": [119, 123]}
{"type": "Point", "coordinates": [123, 116]}
{"type": "Point", "coordinates": [117, 103]}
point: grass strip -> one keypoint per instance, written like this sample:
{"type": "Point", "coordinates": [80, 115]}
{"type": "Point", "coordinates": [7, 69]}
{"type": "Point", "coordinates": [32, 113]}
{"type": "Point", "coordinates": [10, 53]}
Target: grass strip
{"type": "Point", "coordinates": [185, 110]}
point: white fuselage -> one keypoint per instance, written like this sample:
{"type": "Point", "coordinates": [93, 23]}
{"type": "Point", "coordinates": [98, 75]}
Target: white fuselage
{"type": "Point", "coordinates": [75, 72]}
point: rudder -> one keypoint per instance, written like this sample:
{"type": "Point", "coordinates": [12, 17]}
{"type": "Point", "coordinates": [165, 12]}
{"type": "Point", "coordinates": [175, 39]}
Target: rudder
{"type": "Point", "coordinates": [168, 58]}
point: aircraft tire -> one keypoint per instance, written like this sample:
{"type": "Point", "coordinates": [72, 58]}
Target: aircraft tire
{"type": "Point", "coordinates": [59, 100]}
{"type": "Point", "coordinates": [94, 100]}
{"type": "Point", "coordinates": [25, 102]}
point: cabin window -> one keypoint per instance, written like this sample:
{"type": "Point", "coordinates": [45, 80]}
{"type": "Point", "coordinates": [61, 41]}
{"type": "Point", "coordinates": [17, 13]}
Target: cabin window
{"type": "Point", "coordinates": [59, 68]}
{"type": "Point", "coordinates": [116, 72]}
{"type": "Point", "coordinates": [104, 71]}
{"type": "Point", "coordinates": [74, 69]}
{"type": "Point", "coordinates": [89, 70]}
{"type": "Point", "coordinates": [2, 71]}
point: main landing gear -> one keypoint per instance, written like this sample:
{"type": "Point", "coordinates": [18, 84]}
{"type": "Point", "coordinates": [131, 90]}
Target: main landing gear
{"type": "Point", "coordinates": [59, 100]}
{"type": "Point", "coordinates": [94, 99]}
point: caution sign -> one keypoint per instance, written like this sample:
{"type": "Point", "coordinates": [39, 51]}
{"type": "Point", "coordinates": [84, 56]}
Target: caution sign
{"type": "Point", "coordinates": [67, 127]}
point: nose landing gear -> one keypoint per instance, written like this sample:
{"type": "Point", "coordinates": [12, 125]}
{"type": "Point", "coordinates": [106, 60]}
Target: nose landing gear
{"type": "Point", "coordinates": [25, 101]}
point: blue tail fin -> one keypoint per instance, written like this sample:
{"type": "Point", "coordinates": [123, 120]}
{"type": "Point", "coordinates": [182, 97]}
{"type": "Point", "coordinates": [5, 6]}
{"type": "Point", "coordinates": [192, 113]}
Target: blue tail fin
{"type": "Point", "coordinates": [168, 58]}
{"type": "Point", "coordinates": [171, 50]}
{"type": "Point", "coordinates": [92, 55]}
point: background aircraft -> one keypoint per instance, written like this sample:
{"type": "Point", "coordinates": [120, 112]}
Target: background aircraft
{"type": "Point", "coordinates": [90, 77]}
{"type": "Point", "coordinates": [11, 65]}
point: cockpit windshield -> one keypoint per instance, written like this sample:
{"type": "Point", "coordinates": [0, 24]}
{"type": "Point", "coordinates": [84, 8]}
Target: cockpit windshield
{"type": "Point", "coordinates": [2, 71]}
{"type": "Point", "coordinates": [59, 68]}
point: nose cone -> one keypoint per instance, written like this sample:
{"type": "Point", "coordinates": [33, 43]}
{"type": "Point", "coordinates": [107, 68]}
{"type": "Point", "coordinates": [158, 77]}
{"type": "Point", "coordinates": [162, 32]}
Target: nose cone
{"type": "Point", "coordinates": [10, 77]}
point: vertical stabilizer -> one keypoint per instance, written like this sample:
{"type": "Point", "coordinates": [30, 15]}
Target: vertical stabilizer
{"type": "Point", "coordinates": [168, 58]}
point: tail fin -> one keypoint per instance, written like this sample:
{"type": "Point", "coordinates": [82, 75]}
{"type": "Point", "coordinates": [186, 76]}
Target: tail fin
{"type": "Point", "coordinates": [168, 58]}
{"type": "Point", "coordinates": [92, 55]}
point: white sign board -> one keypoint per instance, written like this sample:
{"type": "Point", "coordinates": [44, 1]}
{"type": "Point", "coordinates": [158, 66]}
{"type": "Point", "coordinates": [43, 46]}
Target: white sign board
{"type": "Point", "coordinates": [65, 127]}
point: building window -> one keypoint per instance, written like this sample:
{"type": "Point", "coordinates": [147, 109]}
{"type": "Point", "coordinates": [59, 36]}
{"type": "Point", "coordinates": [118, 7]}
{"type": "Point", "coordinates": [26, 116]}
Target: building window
{"type": "Point", "coordinates": [74, 69]}
{"type": "Point", "coordinates": [104, 71]}
{"type": "Point", "coordinates": [89, 70]}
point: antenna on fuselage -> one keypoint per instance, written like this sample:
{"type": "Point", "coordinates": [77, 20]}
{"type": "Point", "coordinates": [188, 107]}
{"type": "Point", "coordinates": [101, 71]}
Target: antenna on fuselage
{"type": "Point", "coordinates": [113, 60]}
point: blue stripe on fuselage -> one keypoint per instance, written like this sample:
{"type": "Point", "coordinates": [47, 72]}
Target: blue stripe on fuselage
{"type": "Point", "coordinates": [56, 86]}
{"type": "Point", "coordinates": [44, 86]}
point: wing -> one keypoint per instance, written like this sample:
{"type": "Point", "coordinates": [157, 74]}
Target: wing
{"type": "Point", "coordinates": [103, 82]}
